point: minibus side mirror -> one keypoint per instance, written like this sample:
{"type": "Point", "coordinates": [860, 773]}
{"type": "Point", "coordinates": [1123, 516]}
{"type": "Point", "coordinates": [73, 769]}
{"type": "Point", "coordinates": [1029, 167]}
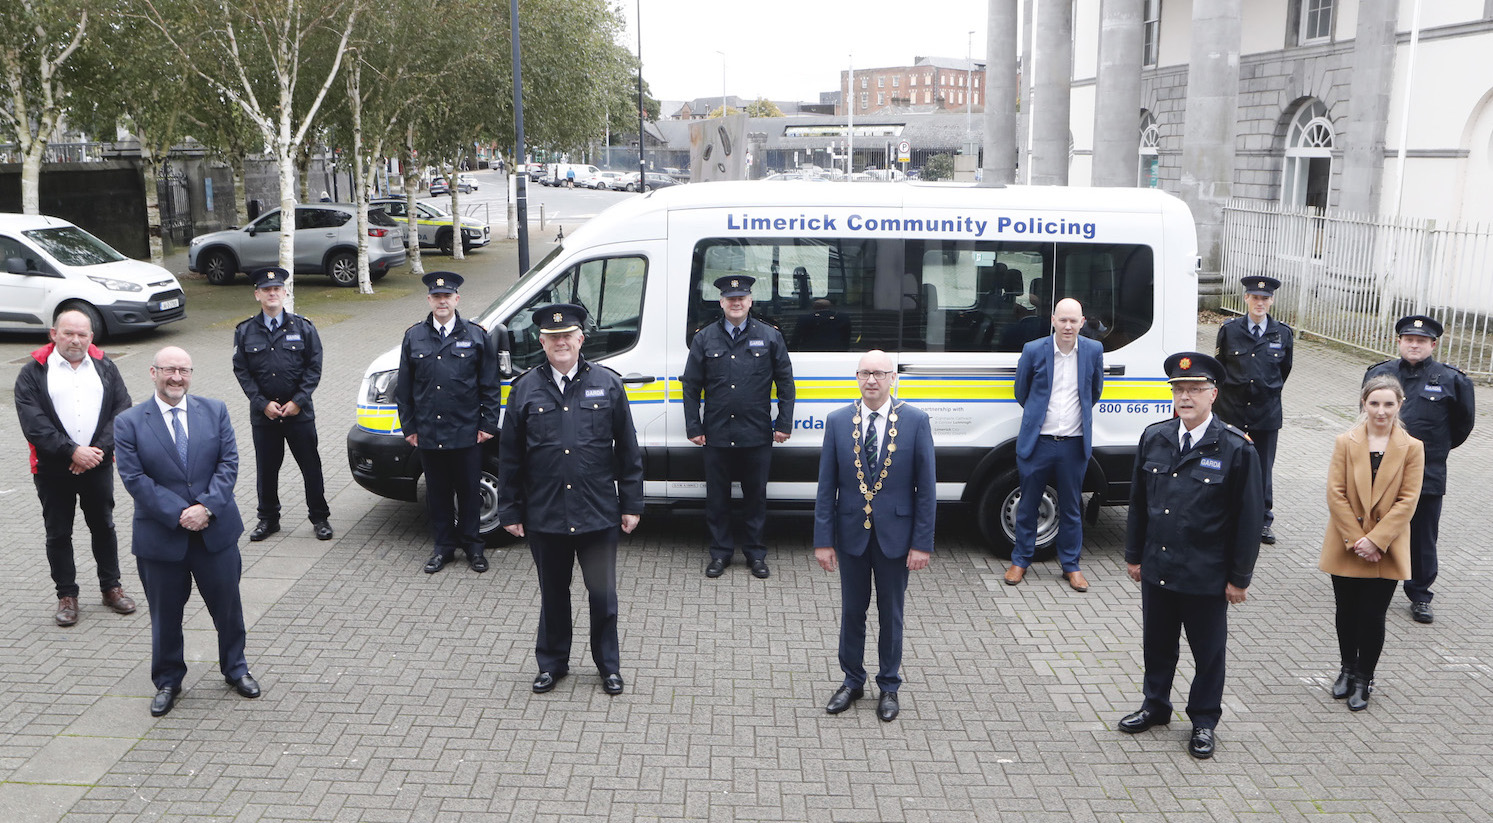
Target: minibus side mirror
{"type": "Point", "coordinates": [504, 340]}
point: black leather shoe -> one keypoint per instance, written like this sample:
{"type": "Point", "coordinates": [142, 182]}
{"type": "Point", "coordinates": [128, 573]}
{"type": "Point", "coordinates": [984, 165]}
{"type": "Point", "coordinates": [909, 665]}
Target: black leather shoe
{"type": "Point", "coordinates": [1358, 696]}
{"type": "Point", "coordinates": [1422, 613]}
{"type": "Point", "coordinates": [842, 699]}
{"type": "Point", "coordinates": [716, 568]}
{"type": "Point", "coordinates": [1343, 684]}
{"type": "Point", "coordinates": [435, 563]}
{"type": "Point", "coordinates": [478, 562]}
{"type": "Point", "coordinates": [760, 570]}
{"type": "Point", "coordinates": [1202, 743]}
{"type": "Point", "coordinates": [546, 681]}
{"type": "Point", "coordinates": [1138, 721]}
{"type": "Point", "coordinates": [612, 683]}
{"type": "Point", "coordinates": [246, 686]}
{"type": "Point", "coordinates": [162, 703]}
{"type": "Point", "coordinates": [887, 707]}
{"type": "Point", "coordinates": [264, 529]}
{"type": "Point", "coordinates": [323, 530]}
{"type": "Point", "coordinates": [1267, 536]}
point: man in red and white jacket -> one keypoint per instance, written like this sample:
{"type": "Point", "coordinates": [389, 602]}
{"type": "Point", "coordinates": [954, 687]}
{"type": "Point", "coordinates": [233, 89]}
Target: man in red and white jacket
{"type": "Point", "coordinates": [67, 398]}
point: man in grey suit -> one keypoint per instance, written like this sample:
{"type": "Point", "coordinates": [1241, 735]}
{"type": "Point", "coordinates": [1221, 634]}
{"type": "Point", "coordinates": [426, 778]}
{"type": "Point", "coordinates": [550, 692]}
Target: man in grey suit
{"type": "Point", "coordinates": [873, 521]}
{"type": "Point", "coordinates": [178, 459]}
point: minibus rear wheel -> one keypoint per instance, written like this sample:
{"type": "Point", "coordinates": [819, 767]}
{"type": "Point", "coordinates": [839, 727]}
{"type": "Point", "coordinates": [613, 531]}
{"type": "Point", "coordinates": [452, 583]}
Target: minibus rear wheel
{"type": "Point", "coordinates": [996, 515]}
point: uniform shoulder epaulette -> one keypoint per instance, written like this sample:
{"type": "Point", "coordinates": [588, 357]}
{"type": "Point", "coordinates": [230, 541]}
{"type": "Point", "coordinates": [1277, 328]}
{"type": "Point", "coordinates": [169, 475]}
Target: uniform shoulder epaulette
{"type": "Point", "coordinates": [304, 319]}
{"type": "Point", "coordinates": [1168, 422]}
{"type": "Point", "coordinates": [521, 375]}
{"type": "Point", "coordinates": [1232, 429]}
{"type": "Point", "coordinates": [1382, 362]}
{"type": "Point", "coordinates": [1453, 368]}
{"type": "Point", "coordinates": [608, 368]}
{"type": "Point", "coordinates": [245, 322]}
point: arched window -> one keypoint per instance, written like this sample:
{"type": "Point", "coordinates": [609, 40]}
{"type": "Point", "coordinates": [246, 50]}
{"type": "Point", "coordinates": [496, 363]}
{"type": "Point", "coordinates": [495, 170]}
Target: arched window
{"type": "Point", "coordinates": [1307, 176]}
{"type": "Point", "coordinates": [1150, 152]}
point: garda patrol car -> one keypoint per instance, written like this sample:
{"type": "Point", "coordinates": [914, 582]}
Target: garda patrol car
{"type": "Point", "coordinates": [950, 281]}
{"type": "Point", "coordinates": [433, 225]}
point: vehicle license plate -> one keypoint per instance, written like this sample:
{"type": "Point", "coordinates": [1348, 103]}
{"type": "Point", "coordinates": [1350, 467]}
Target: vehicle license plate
{"type": "Point", "coordinates": [170, 304]}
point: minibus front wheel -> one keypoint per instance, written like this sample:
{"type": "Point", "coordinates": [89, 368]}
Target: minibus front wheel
{"type": "Point", "coordinates": [996, 516]}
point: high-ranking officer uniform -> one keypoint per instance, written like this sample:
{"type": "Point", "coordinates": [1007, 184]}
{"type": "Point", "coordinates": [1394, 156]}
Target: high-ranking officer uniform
{"type": "Point", "coordinates": [278, 360]}
{"type": "Point", "coordinates": [569, 469]}
{"type": "Point", "coordinates": [1256, 363]}
{"type": "Point", "coordinates": [448, 392]}
{"type": "Point", "coordinates": [1439, 411]}
{"type": "Point", "coordinates": [736, 368]}
{"type": "Point", "coordinates": [1193, 528]}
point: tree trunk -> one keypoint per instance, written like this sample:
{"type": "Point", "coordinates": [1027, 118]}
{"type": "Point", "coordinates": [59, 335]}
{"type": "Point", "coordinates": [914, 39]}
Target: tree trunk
{"type": "Point", "coordinates": [286, 158]}
{"type": "Point", "coordinates": [457, 252]}
{"type": "Point", "coordinates": [360, 191]}
{"type": "Point", "coordinates": [303, 173]}
{"type": "Point", "coordinates": [411, 186]}
{"type": "Point", "coordinates": [240, 190]}
{"type": "Point", "coordinates": [31, 177]}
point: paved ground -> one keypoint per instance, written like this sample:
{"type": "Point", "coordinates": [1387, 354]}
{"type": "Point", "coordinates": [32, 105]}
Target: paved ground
{"type": "Point", "coordinates": [391, 695]}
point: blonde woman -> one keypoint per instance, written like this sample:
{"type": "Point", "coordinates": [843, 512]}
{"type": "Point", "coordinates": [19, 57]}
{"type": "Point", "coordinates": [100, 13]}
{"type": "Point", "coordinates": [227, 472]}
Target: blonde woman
{"type": "Point", "coordinates": [1373, 485]}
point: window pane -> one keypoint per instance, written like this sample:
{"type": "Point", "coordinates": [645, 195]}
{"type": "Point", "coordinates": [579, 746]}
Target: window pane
{"type": "Point", "coordinates": [1116, 285]}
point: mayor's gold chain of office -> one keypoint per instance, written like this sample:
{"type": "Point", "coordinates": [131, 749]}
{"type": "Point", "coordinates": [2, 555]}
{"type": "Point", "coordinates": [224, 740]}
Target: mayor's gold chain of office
{"type": "Point", "coordinates": [886, 465]}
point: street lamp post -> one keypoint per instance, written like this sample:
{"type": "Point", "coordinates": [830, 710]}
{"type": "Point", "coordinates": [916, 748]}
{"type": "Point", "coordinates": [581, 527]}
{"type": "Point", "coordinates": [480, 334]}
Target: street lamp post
{"type": "Point", "coordinates": [969, 90]}
{"type": "Point", "coordinates": [642, 173]}
{"type": "Point", "coordinates": [723, 82]}
{"type": "Point", "coordinates": [521, 194]}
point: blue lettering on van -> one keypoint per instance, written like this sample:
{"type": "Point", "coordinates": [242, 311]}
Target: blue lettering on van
{"type": "Point", "coordinates": [810, 423]}
{"type": "Point", "coordinates": [1033, 225]}
{"type": "Point", "coordinates": [746, 222]}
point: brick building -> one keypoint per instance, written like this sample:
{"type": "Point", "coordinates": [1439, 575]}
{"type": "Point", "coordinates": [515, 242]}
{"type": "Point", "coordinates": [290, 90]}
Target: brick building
{"type": "Point", "coordinates": [930, 84]}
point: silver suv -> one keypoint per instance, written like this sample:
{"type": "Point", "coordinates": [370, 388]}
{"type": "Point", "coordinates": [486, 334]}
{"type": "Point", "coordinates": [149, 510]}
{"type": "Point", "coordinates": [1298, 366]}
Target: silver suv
{"type": "Point", "coordinates": [326, 242]}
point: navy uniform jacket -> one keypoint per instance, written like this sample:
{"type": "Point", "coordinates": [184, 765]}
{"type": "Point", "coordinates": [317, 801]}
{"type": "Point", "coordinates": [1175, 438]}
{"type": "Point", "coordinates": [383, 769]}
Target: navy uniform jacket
{"type": "Point", "coordinates": [1254, 373]}
{"type": "Point", "coordinates": [568, 464]}
{"type": "Point", "coordinates": [1439, 411]}
{"type": "Point", "coordinates": [1195, 520]}
{"type": "Point", "coordinates": [737, 380]}
{"type": "Point", "coordinates": [279, 367]}
{"type": "Point", "coordinates": [449, 387]}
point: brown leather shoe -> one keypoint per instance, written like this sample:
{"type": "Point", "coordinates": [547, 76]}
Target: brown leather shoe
{"type": "Point", "coordinates": [120, 602]}
{"type": "Point", "coordinates": [1015, 574]}
{"type": "Point", "coordinates": [67, 611]}
{"type": "Point", "coordinates": [1077, 581]}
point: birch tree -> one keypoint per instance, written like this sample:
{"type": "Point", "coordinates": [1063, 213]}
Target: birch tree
{"type": "Point", "coordinates": [37, 37]}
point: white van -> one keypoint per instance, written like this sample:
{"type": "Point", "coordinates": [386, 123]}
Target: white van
{"type": "Point", "coordinates": [48, 265]}
{"type": "Point", "coordinates": [951, 281]}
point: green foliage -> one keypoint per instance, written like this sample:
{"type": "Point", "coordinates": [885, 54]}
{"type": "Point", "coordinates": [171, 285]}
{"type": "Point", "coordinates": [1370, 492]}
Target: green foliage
{"type": "Point", "coordinates": [38, 40]}
{"type": "Point", "coordinates": [939, 167]}
{"type": "Point", "coordinates": [762, 107]}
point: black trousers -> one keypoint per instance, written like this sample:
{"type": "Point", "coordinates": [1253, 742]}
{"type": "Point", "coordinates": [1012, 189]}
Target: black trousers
{"type": "Point", "coordinates": [555, 558]}
{"type": "Point", "coordinates": [452, 500]}
{"type": "Point", "coordinates": [168, 585]}
{"type": "Point", "coordinates": [1206, 618]}
{"type": "Point", "coordinates": [858, 574]}
{"type": "Point", "coordinates": [747, 466]}
{"type": "Point", "coordinates": [1362, 603]}
{"type": "Point", "coordinates": [61, 495]}
{"type": "Point", "coordinates": [269, 452]}
{"type": "Point", "coordinates": [1425, 528]}
{"type": "Point", "coordinates": [1265, 442]}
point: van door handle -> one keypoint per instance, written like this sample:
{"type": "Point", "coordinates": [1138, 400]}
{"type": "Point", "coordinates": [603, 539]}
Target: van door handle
{"type": "Point", "coordinates": [1114, 371]}
{"type": "Point", "coordinates": [636, 378]}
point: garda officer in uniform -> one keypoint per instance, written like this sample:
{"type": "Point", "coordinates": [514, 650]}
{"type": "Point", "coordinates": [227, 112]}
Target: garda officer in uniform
{"type": "Point", "coordinates": [735, 363]}
{"type": "Point", "coordinates": [449, 397]}
{"type": "Point", "coordinates": [569, 473]}
{"type": "Point", "coordinates": [1438, 411]}
{"type": "Point", "coordinates": [1256, 354]}
{"type": "Point", "coordinates": [1193, 535]}
{"type": "Point", "coordinates": [277, 360]}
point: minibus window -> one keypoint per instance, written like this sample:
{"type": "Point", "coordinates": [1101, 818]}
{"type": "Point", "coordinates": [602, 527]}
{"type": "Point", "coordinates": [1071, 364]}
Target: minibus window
{"type": "Point", "coordinates": [610, 288]}
{"type": "Point", "coordinates": [977, 296]}
{"type": "Point", "coordinates": [1116, 285]}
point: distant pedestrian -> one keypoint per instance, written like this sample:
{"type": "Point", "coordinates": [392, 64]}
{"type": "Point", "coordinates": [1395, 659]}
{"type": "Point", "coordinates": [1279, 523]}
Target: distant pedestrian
{"type": "Point", "coordinates": [277, 360]}
{"type": "Point", "coordinates": [570, 472]}
{"type": "Point", "coordinates": [1255, 351]}
{"type": "Point", "coordinates": [1196, 505]}
{"type": "Point", "coordinates": [1373, 486]}
{"type": "Point", "coordinates": [1058, 381]}
{"type": "Point", "coordinates": [734, 364]}
{"type": "Point", "coordinates": [67, 396]}
{"type": "Point", "coordinates": [449, 397]}
{"type": "Point", "coordinates": [1439, 411]}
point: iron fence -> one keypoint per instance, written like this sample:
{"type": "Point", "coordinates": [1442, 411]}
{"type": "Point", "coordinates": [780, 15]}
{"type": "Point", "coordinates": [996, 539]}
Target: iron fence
{"type": "Point", "coordinates": [1348, 277]}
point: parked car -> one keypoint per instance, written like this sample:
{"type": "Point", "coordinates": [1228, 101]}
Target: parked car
{"type": "Point", "coordinates": [654, 181]}
{"type": "Point", "coordinates": [326, 242]}
{"type": "Point", "coordinates": [433, 224]}
{"type": "Point", "coordinates": [466, 183]}
{"type": "Point", "coordinates": [605, 180]}
{"type": "Point", "coordinates": [438, 186]}
{"type": "Point", "coordinates": [48, 265]}
{"type": "Point", "coordinates": [536, 172]}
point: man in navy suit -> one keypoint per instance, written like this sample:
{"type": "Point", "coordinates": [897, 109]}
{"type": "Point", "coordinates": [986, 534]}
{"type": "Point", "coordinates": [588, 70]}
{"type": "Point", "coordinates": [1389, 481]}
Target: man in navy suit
{"type": "Point", "coordinates": [178, 459]}
{"type": "Point", "coordinates": [1058, 381]}
{"type": "Point", "coordinates": [873, 520]}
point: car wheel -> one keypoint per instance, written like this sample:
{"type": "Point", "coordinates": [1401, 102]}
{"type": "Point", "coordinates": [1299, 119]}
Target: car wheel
{"type": "Point", "coordinates": [343, 269]}
{"type": "Point", "coordinates": [443, 241]}
{"type": "Point", "coordinates": [219, 267]}
{"type": "Point", "coordinates": [95, 319]}
{"type": "Point", "coordinates": [996, 517]}
{"type": "Point", "coordinates": [487, 508]}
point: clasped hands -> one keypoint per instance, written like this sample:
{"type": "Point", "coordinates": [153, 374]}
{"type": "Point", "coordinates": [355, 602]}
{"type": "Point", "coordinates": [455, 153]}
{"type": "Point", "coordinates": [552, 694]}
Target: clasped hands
{"type": "Point", "coordinates": [85, 458]}
{"type": "Point", "coordinates": [194, 517]}
{"type": "Point", "coordinates": [275, 411]}
{"type": "Point", "coordinates": [1366, 549]}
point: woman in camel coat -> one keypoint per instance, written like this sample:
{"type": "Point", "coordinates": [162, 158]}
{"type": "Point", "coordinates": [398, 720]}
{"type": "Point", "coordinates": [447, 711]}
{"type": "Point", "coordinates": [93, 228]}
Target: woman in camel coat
{"type": "Point", "coordinates": [1373, 485]}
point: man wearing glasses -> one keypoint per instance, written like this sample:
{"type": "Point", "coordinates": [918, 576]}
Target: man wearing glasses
{"type": "Point", "coordinates": [1196, 508]}
{"type": "Point", "coordinates": [873, 522]}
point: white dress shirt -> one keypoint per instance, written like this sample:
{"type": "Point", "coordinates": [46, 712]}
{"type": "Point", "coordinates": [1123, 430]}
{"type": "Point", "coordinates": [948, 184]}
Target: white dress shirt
{"type": "Point", "coordinates": [1064, 419]}
{"type": "Point", "coordinates": [561, 378]}
{"type": "Point", "coordinates": [166, 415]}
{"type": "Point", "coordinates": [77, 396]}
{"type": "Point", "coordinates": [881, 422]}
{"type": "Point", "coordinates": [1197, 433]}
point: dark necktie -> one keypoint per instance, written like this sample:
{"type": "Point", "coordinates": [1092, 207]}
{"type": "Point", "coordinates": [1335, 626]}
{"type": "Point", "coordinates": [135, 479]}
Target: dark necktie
{"type": "Point", "coordinates": [872, 445]}
{"type": "Point", "coordinates": [180, 433]}
{"type": "Point", "coordinates": [735, 332]}
{"type": "Point", "coordinates": [564, 383]}
{"type": "Point", "coordinates": [274, 324]}
{"type": "Point", "coordinates": [1186, 442]}
{"type": "Point", "coordinates": [1259, 332]}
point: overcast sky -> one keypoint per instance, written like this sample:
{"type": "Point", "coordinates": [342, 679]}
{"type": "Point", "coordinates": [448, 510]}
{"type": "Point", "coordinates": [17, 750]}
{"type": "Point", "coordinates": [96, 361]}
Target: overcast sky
{"type": "Point", "coordinates": [791, 49]}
